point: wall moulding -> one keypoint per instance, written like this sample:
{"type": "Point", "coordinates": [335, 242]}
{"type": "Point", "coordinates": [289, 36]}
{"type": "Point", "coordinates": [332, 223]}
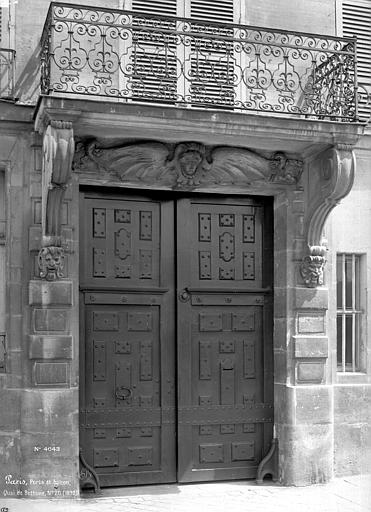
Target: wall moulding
{"type": "Point", "coordinates": [332, 177]}
{"type": "Point", "coordinates": [186, 165]}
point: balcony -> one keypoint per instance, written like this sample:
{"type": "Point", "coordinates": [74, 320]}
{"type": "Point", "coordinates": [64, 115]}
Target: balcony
{"type": "Point", "coordinates": [7, 58]}
{"type": "Point", "coordinates": [149, 59]}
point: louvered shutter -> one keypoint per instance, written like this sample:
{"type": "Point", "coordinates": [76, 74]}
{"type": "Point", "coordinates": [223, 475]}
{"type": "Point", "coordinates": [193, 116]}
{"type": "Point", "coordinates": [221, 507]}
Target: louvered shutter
{"type": "Point", "coordinates": [212, 59]}
{"type": "Point", "coordinates": [154, 54]}
{"type": "Point", "coordinates": [201, 72]}
{"type": "Point", "coordinates": [216, 10]}
{"type": "Point", "coordinates": [356, 20]}
{"type": "Point", "coordinates": [164, 7]}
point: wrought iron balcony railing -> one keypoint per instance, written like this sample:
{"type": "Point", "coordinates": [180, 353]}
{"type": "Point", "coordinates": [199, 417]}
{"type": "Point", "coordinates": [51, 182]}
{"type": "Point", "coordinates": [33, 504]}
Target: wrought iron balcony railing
{"type": "Point", "coordinates": [7, 59]}
{"type": "Point", "coordinates": [186, 62]}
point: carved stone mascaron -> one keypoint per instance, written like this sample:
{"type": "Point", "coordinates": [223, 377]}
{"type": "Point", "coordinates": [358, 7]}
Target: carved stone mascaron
{"type": "Point", "coordinates": [186, 165]}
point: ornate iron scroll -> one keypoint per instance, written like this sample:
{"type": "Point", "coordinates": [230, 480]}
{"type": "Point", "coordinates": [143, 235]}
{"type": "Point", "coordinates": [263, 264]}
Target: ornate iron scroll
{"type": "Point", "coordinates": [179, 61]}
{"type": "Point", "coordinates": [187, 165]}
{"type": "Point", "coordinates": [58, 151]}
{"type": "Point", "coordinates": [335, 180]}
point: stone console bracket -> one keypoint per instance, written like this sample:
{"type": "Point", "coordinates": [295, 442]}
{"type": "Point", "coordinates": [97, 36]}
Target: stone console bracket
{"type": "Point", "coordinates": [58, 152]}
{"type": "Point", "coordinates": [333, 175]}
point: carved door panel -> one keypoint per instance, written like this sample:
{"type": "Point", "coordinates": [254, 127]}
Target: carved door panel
{"type": "Point", "coordinates": [225, 407]}
{"type": "Point", "coordinates": [128, 395]}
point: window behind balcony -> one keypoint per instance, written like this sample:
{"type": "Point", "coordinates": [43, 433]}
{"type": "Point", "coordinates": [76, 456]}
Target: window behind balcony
{"type": "Point", "coordinates": [350, 312]}
{"type": "Point", "coordinates": [168, 68]}
{"type": "Point", "coordinates": [356, 21]}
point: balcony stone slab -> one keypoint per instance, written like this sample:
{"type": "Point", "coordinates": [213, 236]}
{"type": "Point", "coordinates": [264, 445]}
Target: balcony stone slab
{"type": "Point", "coordinates": [92, 118]}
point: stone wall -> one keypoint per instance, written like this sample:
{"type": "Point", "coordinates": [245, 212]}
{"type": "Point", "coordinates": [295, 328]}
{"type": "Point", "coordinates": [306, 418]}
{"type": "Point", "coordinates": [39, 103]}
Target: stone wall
{"type": "Point", "coordinates": [11, 382]}
{"type": "Point", "coordinates": [38, 389]}
{"type": "Point", "coordinates": [350, 232]}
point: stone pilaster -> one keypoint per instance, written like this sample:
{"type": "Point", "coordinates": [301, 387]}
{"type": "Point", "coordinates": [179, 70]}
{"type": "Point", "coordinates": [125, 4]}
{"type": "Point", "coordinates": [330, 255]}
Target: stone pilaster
{"type": "Point", "coordinates": [303, 394]}
{"type": "Point", "coordinates": [50, 403]}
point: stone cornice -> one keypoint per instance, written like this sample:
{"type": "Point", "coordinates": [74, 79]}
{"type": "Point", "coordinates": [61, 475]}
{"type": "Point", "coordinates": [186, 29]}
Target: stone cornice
{"type": "Point", "coordinates": [94, 118]}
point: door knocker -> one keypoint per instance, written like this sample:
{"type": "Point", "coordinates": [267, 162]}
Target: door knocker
{"type": "Point", "coordinates": [123, 393]}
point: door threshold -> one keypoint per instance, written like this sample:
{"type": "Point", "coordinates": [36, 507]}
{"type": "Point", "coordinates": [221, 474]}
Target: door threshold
{"type": "Point", "coordinates": [171, 488]}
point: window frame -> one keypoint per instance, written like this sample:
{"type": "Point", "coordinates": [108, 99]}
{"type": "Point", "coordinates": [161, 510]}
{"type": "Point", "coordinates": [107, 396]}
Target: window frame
{"type": "Point", "coordinates": [352, 306]}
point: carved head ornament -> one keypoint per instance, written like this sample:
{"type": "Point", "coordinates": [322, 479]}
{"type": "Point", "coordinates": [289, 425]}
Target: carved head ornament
{"type": "Point", "coordinates": [189, 162]}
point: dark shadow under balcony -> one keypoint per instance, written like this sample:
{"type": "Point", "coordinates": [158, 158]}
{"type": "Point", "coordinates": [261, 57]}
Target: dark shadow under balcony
{"type": "Point", "coordinates": [136, 58]}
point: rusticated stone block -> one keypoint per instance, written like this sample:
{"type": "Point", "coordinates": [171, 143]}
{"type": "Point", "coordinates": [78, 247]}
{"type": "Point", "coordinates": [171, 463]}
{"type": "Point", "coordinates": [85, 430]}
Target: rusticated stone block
{"type": "Point", "coordinates": [305, 453]}
{"type": "Point", "coordinates": [50, 293]}
{"type": "Point", "coordinates": [280, 367]}
{"type": "Point", "coordinates": [311, 346]}
{"type": "Point", "coordinates": [51, 374]}
{"type": "Point", "coordinates": [50, 410]}
{"type": "Point", "coordinates": [284, 404]}
{"type": "Point", "coordinates": [310, 372]}
{"type": "Point", "coordinates": [15, 298]}
{"type": "Point", "coordinates": [37, 211]}
{"type": "Point", "coordinates": [350, 449]}
{"type": "Point", "coordinates": [52, 478]}
{"type": "Point", "coordinates": [11, 457]}
{"type": "Point", "coordinates": [311, 298]}
{"type": "Point", "coordinates": [10, 405]}
{"type": "Point", "coordinates": [313, 405]}
{"type": "Point", "coordinates": [352, 404]}
{"type": "Point", "coordinates": [281, 339]}
{"type": "Point", "coordinates": [49, 445]}
{"type": "Point", "coordinates": [309, 323]}
{"type": "Point", "coordinates": [50, 320]}
{"type": "Point", "coordinates": [50, 347]}
{"type": "Point", "coordinates": [34, 238]}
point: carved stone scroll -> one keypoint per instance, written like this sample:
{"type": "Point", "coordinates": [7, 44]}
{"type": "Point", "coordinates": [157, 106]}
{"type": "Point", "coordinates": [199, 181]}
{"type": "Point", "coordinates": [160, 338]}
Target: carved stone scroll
{"type": "Point", "coordinates": [58, 151]}
{"type": "Point", "coordinates": [186, 165]}
{"type": "Point", "coordinates": [334, 181]}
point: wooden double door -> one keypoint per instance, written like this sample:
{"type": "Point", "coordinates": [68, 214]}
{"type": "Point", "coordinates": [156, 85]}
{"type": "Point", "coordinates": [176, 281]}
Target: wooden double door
{"type": "Point", "coordinates": [176, 354]}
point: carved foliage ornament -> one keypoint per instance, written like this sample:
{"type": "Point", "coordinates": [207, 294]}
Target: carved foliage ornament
{"type": "Point", "coordinates": [187, 165]}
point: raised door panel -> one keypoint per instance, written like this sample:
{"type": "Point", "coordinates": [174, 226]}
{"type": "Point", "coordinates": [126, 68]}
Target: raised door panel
{"type": "Point", "coordinates": [227, 239]}
{"type": "Point", "coordinates": [225, 410]}
{"type": "Point", "coordinates": [122, 244]}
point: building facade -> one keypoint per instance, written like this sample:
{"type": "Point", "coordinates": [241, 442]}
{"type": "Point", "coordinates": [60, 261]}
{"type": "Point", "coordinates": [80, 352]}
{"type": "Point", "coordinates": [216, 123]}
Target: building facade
{"type": "Point", "coordinates": [183, 297]}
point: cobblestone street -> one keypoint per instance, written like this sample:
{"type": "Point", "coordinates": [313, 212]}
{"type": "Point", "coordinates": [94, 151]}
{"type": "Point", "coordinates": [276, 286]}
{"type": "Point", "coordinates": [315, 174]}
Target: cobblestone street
{"type": "Point", "coordinates": [351, 494]}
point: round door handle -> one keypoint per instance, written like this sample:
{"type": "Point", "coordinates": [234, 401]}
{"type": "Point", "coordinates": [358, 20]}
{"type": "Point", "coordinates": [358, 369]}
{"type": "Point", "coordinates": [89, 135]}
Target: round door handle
{"type": "Point", "coordinates": [184, 295]}
{"type": "Point", "coordinates": [123, 393]}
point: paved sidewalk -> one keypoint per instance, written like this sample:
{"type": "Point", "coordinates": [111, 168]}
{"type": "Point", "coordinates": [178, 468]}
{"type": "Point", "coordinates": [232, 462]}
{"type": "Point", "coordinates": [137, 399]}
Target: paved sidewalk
{"type": "Point", "coordinates": [351, 494]}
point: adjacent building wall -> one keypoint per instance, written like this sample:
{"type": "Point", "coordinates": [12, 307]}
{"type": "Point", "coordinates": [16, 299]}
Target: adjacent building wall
{"type": "Point", "coordinates": [350, 232]}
